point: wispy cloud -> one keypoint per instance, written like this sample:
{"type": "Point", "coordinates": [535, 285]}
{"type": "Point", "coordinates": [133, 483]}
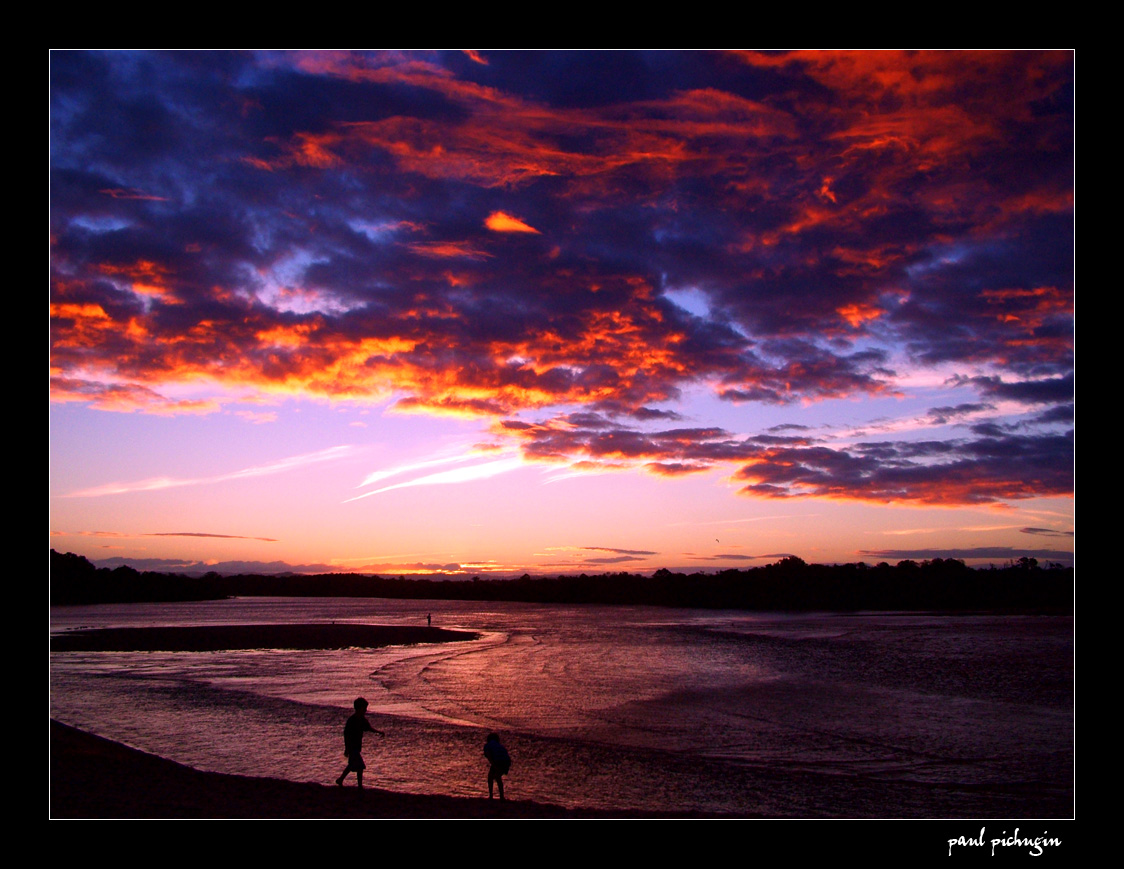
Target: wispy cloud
{"type": "Point", "coordinates": [386, 473]}
{"type": "Point", "coordinates": [122, 534]}
{"type": "Point", "coordinates": [257, 416]}
{"type": "Point", "coordinates": [618, 551]}
{"type": "Point", "coordinates": [944, 529]}
{"type": "Point", "coordinates": [278, 467]}
{"type": "Point", "coordinates": [456, 475]}
{"type": "Point", "coordinates": [617, 555]}
{"type": "Point", "coordinates": [728, 557]}
{"type": "Point", "coordinates": [203, 534]}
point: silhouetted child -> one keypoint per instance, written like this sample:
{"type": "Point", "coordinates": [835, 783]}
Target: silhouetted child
{"type": "Point", "coordinates": [500, 762]}
{"type": "Point", "coordinates": [353, 742]}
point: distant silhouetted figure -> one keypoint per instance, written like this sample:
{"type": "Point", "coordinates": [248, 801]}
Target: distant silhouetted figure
{"type": "Point", "coordinates": [353, 742]}
{"type": "Point", "coordinates": [500, 762]}
{"type": "Point", "coordinates": [428, 620]}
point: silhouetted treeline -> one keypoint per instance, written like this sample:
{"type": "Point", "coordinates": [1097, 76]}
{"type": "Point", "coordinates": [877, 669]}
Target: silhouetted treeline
{"type": "Point", "coordinates": [789, 584]}
{"type": "Point", "coordinates": [74, 580]}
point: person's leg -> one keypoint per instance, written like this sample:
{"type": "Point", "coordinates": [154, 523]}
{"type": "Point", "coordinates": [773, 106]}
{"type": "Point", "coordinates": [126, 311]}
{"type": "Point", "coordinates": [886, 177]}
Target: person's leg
{"type": "Point", "coordinates": [343, 775]}
{"type": "Point", "coordinates": [491, 781]}
{"type": "Point", "coordinates": [359, 777]}
{"type": "Point", "coordinates": [499, 780]}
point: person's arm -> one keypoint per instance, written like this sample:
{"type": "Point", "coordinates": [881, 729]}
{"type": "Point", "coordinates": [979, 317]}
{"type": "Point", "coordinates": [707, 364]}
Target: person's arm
{"type": "Point", "coordinates": [367, 726]}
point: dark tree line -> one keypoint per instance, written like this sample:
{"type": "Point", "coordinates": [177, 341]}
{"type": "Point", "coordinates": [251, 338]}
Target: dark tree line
{"type": "Point", "coordinates": [788, 584]}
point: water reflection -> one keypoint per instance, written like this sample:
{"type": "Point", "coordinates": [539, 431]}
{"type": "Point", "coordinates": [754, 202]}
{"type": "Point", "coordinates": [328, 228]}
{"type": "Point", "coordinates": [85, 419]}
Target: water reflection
{"type": "Point", "coordinates": [618, 707]}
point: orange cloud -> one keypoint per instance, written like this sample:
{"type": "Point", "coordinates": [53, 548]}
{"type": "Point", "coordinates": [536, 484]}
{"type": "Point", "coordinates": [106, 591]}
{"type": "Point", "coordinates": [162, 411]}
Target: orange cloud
{"type": "Point", "coordinates": [444, 249]}
{"type": "Point", "coordinates": [88, 311]}
{"type": "Point", "coordinates": [859, 313]}
{"type": "Point", "coordinates": [922, 77]}
{"type": "Point", "coordinates": [499, 221]}
{"type": "Point", "coordinates": [988, 470]}
{"type": "Point", "coordinates": [80, 325]}
{"type": "Point", "coordinates": [503, 140]}
{"type": "Point", "coordinates": [808, 187]}
{"type": "Point", "coordinates": [277, 355]}
{"type": "Point", "coordinates": [894, 114]}
{"type": "Point", "coordinates": [1031, 309]}
{"type": "Point", "coordinates": [146, 278]}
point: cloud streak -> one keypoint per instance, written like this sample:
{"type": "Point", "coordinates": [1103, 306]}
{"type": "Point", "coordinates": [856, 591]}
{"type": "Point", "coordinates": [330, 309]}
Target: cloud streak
{"type": "Point", "coordinates": [155, 483]}
{"type": "Point", "coordinates": [457, 475]}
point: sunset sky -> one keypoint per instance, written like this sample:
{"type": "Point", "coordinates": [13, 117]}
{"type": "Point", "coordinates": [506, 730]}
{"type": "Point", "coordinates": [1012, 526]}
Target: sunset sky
{"type": "Point", "coordinates": [493, 312]}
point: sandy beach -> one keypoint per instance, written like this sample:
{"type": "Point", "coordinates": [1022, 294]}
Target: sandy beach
{"type": "Point", "coordinates": [93, 777]}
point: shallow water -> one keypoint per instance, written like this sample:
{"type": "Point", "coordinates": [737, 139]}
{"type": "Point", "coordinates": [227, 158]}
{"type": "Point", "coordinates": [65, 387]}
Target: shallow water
{"type": "Point", "coordinates": [806, 715]}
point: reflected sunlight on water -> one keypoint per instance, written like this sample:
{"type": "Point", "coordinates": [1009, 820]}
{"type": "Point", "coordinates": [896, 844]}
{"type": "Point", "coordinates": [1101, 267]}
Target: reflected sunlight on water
{"type": "Point", "coordinates": [805, 715]}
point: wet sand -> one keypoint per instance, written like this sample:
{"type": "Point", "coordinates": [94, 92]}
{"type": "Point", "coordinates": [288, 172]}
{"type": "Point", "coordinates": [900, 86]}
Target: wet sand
{"type": "Point", "coordinates": [93, 777]}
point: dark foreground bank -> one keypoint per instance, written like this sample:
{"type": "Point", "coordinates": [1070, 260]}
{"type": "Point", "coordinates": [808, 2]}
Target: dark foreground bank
{"type": "Point", "coordinates": [93, 777]}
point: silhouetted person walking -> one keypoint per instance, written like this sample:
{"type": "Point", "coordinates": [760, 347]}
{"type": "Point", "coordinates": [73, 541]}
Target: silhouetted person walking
{"type": "Point", "coordinates": [500, 762]}
{"type": "Point", "coordinates": [353, 731]}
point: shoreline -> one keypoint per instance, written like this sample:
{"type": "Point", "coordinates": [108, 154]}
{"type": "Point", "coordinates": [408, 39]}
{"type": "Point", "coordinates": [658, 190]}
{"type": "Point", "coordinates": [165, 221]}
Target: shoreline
{"type": "Point", "coordinates": [93, 777]}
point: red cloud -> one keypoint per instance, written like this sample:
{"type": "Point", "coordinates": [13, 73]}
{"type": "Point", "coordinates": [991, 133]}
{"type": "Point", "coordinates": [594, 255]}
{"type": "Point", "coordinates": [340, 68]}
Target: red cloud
{"type": "Point", "coordinates": [823, 221]}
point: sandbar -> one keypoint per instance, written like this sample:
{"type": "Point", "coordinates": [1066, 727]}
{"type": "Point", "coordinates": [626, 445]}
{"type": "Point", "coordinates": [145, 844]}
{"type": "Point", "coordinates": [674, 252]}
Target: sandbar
{"type": "Point", "coordinates": [216, 638]}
